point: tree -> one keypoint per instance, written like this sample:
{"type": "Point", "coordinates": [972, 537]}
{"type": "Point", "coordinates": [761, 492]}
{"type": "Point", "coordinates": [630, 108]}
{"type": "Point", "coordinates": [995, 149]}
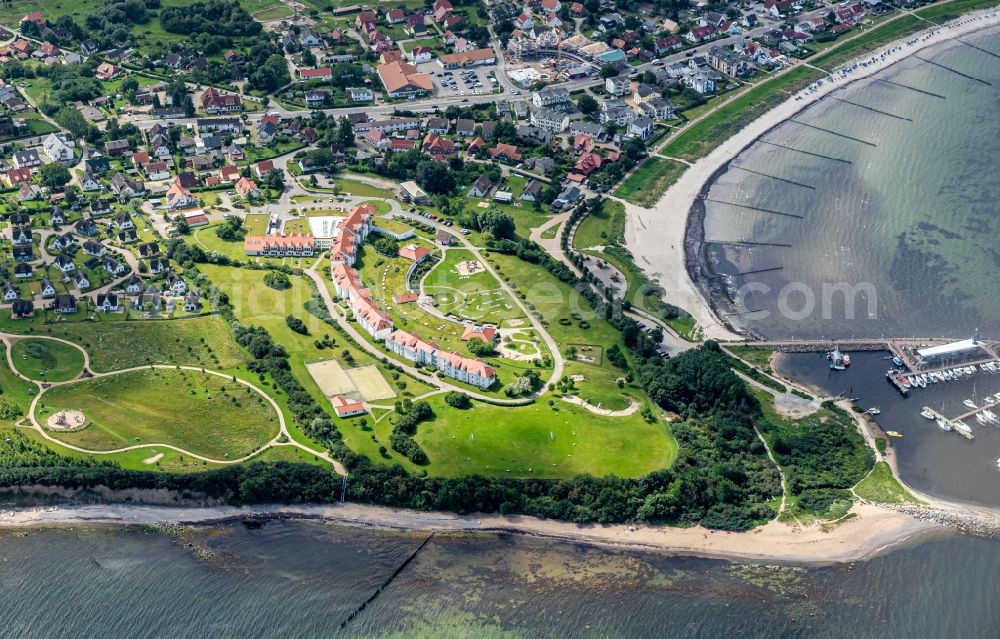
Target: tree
{"type": "Point", "coordinates": [587, 104]}
{"type": "Point", "coordinates": [277, 280]}
{"type": "Point", "coordinates": [55, 176]}
{"type": "Point", "coordinates": [345, 132]}
{"type": "Point", "coordinates": [72, 120]}
{"type": "Point", "coordinates": [479, 348]}
{"type": "Point", "coordinates": [435, 177]}
{"type": "Point", "coordinates": [495, 221]}
{"type": "Point", "coordinates": [232, 230]}
{"type": "Point", "coordinates": [308, 58]}
{"type": "Point", "coordinates": [608, 71]}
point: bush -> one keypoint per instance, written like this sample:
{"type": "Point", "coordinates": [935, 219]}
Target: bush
{"type": "Point", "coordinates": [458, 400]}
{"type": "Point", "coordinates": [277, 280]}
{"type": "Point", "coordinates": [479, 348]}
{"type": "Point", "coordinates": [297, 325]}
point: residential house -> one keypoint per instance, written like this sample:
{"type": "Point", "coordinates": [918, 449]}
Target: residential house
{"type": "Point", "coordinates": [346, 408]}
{"type": "Point", "coordinates": [107, 303]}
{"type": "Point", "coordinates": [23, 271]}
{"type": "Point", "coordinates": [507, 152]}
{"type": "Point", "coordinates": [27, 158]}
{"type": "Point", "coordinates": [126, 188]}
{"type": "Point", "coordinates": [481, 187]}
{"type": "Point", "coordinates": [90, 247]}
{"type": "Point", "coordinates": [247, 189]}
{"type": "Point", "coordinates": [641, 127]}
{"type": "Point", "coordinates": [468, 370]}
{"type": "Point", "coordinates": [549, 120]}
{"type": "Point", "coordinates": [550, 97]}
{"type": "Point", "coordinates": [618, 85]}
{"type": "Point", "coordinates": [113, 266]}
{"type": "Point", "coordinates": [23, 253]}
{"type": "Point", "coordinates": [22, 308]}
{"type": "Point", "coordinates": [214, 101]}
{"type": "Point", "coordinates": [532, 191]}
{"type": "Point", "coordinates": [64, 304]}
{"type": "Point", "coordinates": [57, 149]}
{"type": "Point", "coordinates": [107, 71]}
{"type": "Point", "coordinates": [360, 94]}
{"type": "Point", "coordinates": [47, 288]}
{"type": "Point", "coordinates": [404, 80]}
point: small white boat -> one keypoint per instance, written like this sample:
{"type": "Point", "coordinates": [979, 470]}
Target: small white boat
{"type": "Point", "coordinates": [922, 380]}
{"type": "Point", "coordinates": [989, 400]}
{"type": "Point", "coordinates": [926, 413]}
{"type": "Point", "coordinates": [894, 433]}
{"type": "Point", "coordinates": [981, 419]}
{"type": "Point", "coordinates": [874, 410]}
{"type": "Point", "coordinates": [969, 403]}
{"type": "Point", "coordinates": [962, 426]}
{"type": "Point", "coordinates": [943, 425]}
{"type": "Point", "coordinates": [970, 369]}
{"type": "Point", "coordinates": [991, 417]}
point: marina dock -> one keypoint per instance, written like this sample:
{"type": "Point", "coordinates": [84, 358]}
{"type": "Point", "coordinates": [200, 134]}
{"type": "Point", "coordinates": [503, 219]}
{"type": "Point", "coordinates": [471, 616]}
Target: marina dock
{"type": "Point", "coordinates": [951, 422]}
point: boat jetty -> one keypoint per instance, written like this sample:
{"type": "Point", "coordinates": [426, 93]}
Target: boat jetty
{"type": "Point", "coordinates": [916, 367]}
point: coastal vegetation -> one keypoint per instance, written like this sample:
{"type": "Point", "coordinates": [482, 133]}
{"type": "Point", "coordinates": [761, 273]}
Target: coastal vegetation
{"type": "Point", "coordinates": [705, 135]}
{"type": "Point", "coordinates": [647, 183]}
{"type": "Point", "coordinates": [881, 486]}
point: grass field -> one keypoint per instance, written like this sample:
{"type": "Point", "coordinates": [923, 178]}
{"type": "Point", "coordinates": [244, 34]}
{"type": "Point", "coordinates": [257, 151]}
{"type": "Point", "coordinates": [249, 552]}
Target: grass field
{"type": "Point", "coordinates": [114, 345]}
{"type": "Point", "coordinates": [360, 188]}
{"type": "Point", "coordinates": [202, 413]}
{"type": "Point", "coordinates": [46, 360]}
{"type": "Point", "coordinates": [15, 390]}
{"type": "Point", "coordinates": [757, 357]}
{"type": "Point", "coordinates": [603, 227]}
{"type": "Point", "coordinates": [276, 12]}
{"type": "Point", "coordinates": [869, 41]}
{"type": "Point", "coordinates": [570, 321]}
{"type": "Point", "coordinates": [709, 133]}
{"type": "Point", "coordinates": [477, 296]}
{"type": "Point", "coordinates": [881, 486]}
{"type": "Point", "coordinates": [650, 181]}
{"type": "Point", "coordinates": [540, 441]}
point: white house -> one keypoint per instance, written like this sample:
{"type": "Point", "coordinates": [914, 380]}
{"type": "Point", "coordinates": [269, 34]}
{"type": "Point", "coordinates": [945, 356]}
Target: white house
{"type": "Point", "coordinates": [57, 149]}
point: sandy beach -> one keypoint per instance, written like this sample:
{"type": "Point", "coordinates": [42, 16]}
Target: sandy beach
{"type": "Point", "coordinates": [870, 530]}
{"type": "Point", "coordinates": [656, 237]}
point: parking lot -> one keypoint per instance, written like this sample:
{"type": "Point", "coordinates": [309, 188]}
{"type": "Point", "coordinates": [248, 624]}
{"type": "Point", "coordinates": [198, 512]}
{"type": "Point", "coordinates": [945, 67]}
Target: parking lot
{"type": "Point", "coordinates": [452, 82]}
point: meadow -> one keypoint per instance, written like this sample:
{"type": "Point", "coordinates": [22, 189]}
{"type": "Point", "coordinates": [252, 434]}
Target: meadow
{"type": "Point", "coordinates": [46, 360]}
{"type": "Point", "coordinates": [202, 413]}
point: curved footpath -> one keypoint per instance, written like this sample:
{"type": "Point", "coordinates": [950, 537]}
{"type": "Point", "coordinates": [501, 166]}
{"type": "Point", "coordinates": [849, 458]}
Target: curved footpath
{"type": "Point", "coordinates": [656, 237]}
{"type": "Point", "coordinates": [9, 338]}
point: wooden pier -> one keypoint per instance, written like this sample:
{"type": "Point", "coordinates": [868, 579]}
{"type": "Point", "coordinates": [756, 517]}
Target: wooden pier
{"type": "Point", "coordinates": [951, 422]}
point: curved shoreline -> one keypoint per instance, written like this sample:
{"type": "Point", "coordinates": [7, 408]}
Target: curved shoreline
{"type": "Point", "coordinates": [871, 531]}
{"type": "Point", "coordinates": [678, 216]}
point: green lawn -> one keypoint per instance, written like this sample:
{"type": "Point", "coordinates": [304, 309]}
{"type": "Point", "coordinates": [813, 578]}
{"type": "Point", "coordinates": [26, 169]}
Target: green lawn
{"type": "Point", "coordinates": [757, 357]}
{"type": "Point", "coordinates": [202, 413]}
{"type": "Point", "coordinates": [540, 441]}
{"type": "Point", "coordinates": [114, 345]}
{"type": "Point", "coordinates": [881, 486]}
{"type": "Point", "coordinates": [709, 133]}
{"type": "Point", "coordinates": [603, 227]}
{"type": "Point", "coordinates": [361, 188]}
{"type": "Point", "coordinates": [46, 360]}
{"type": "Point", "coordinates": [15, 390]}
{"type": "Point", "coordinates": [571, 321]}
{"type": "Point", "coordinates": [477, 296]}
{"type": "Point", "coordinates": [277, 12]}
{"type": "Point", "coordinates": [645, 186]}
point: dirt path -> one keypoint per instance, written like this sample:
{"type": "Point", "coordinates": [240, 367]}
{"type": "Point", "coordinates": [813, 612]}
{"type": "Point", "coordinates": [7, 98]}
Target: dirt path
{"type": "Point", "coordinates": [9, 339]}
{"type": "Point", "coordinates": [632, 409]}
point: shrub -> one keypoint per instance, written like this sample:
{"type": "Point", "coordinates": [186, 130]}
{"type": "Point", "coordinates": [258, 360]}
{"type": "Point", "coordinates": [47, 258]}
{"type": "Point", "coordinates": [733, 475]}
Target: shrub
{"type": "Point", "coordinates": [297, 325]}
{"type": "Point", "coordinates": [277, 280]}
{"type": "Point", "coordinates": [458, 400]}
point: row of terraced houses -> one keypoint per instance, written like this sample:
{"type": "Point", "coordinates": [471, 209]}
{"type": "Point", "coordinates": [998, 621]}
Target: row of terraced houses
{"type": "Point", "coordinates": [377, 323]}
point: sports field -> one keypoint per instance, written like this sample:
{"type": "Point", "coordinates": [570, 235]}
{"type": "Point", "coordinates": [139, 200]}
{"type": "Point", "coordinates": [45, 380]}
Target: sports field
{"type": "Point", "coordinates": [363, 382]}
